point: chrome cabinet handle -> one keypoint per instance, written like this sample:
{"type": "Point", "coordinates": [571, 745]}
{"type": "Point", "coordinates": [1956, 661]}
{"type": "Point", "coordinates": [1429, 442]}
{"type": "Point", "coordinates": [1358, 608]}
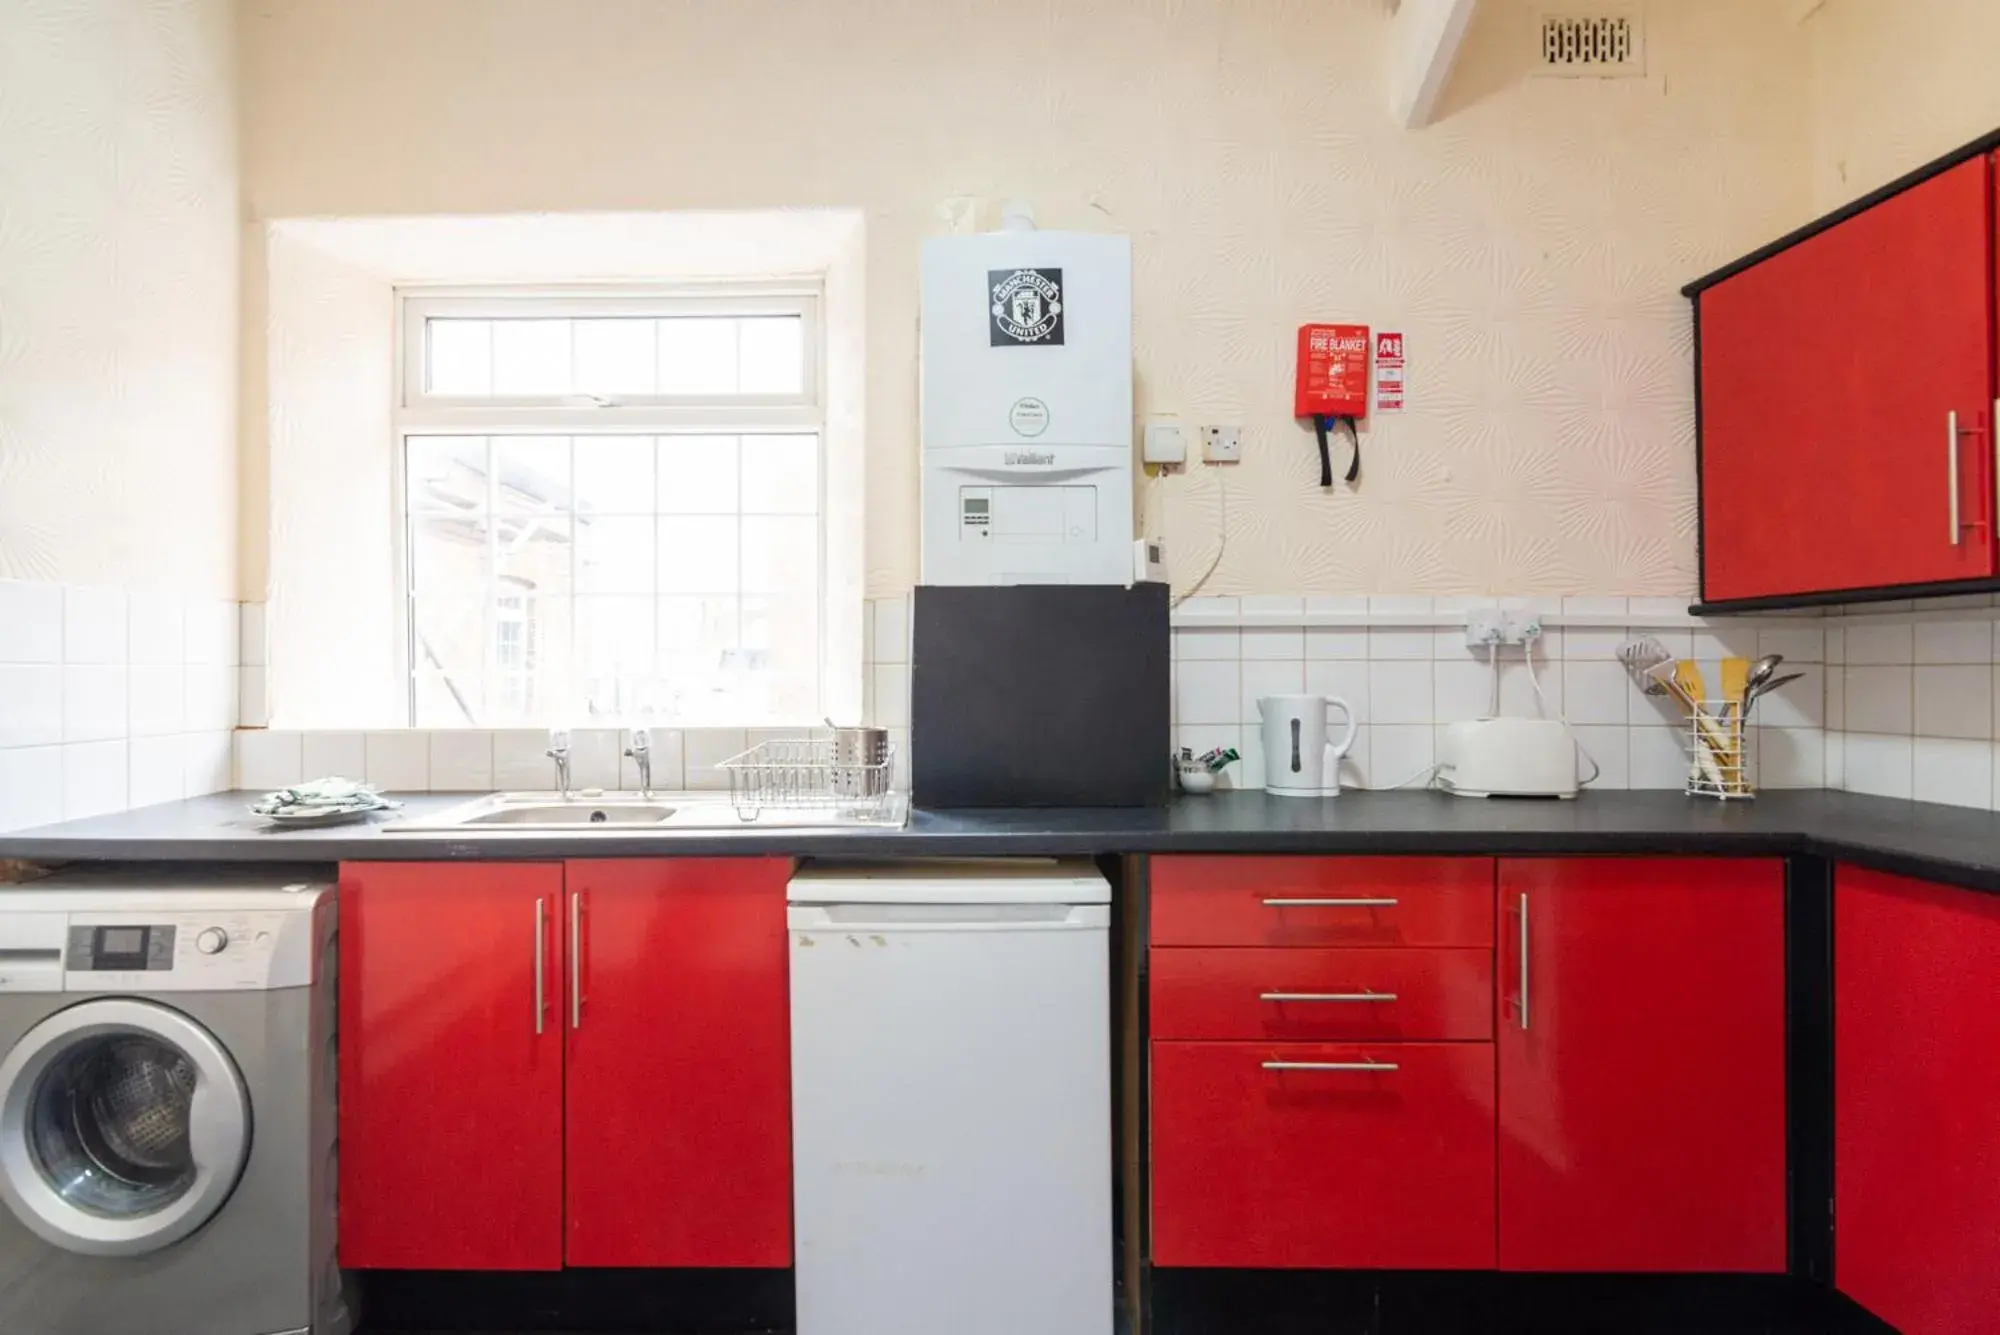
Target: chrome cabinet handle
{"type": "Point", "coordinates": [1330, 903]}
{"type": "Point", "coordinates": [1524, 961]}
{"type": "Point", "coordinates": [1327, 996]}
{"type": "Point", "coordinates": [1951, 458]}
{"type": "Point", "coordinates": [1331, 1066]}
{"type": "Point", "coordinates": [576, 961]}
{"type": "Point", "coordinates": [541, 1006]}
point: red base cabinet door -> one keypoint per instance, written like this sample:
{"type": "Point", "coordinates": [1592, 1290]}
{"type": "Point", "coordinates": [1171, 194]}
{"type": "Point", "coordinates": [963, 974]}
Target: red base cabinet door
{"type": "Point", "coordinates": [1642, 1065]}
{"type": "Point", "coordinates": [1294, 1155]}
{"type": "Point", "coordinates": [451, 1082]}
{"type": "Point", "coordinates": [1917, 1102]}
{"type": "Point", "coordinates": [679, 1064]}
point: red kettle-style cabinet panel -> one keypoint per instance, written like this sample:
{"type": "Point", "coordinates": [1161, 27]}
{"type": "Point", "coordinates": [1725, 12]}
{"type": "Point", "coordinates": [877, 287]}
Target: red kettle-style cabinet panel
{"type": "Point", "coordinates": [1846, 402]}
{"type": "Point", "coordinates": [1641, 1048]}
{"type": "Point", "coordinates": [451, 1066]}
{"type": "Point", "coordinates": [1917, 1102]}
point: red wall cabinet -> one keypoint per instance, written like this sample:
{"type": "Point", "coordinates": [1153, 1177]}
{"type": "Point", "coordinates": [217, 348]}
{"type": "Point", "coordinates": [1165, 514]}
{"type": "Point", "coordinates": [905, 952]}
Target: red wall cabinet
{"type": "Point", "coordinates": [451, 1083]}
{"type": "Point", "coordinates": [1641, 1038]}
{"type": "Point", "coordinates": [1829, 374]}
{"type": "Point", "coordinates": [679, 1089]}
{"type": "Point", "coordinates": [1917, 1102]}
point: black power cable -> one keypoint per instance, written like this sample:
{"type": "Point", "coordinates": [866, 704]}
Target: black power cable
{"type": "Point", "coordinates": [1322, 425]}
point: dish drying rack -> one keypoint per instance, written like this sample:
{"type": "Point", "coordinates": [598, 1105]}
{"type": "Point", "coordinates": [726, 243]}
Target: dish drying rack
{"type": "Point", "coordinates": [800, 774]}
{"type": "Point", "coordinates": [1713, 733]}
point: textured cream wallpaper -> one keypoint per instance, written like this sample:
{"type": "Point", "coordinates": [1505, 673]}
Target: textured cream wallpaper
{"type": "Point", "coordinates": [1896, 83]}
{"type": "Point", "coordinates": [118, 293]}
{"type": "Point", "coordinates": [1531, 243]}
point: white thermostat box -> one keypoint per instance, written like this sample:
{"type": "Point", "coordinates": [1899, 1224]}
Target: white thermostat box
{"type": "Point", "coordinates": [1027, 408]}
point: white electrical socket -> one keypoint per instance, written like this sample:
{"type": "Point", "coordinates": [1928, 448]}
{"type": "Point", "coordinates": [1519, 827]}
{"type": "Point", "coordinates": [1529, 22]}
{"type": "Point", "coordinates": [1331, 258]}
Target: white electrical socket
{"type": "Point", "coordinates": [1520, 626]}
{"type": "Point", "coordinates": [1222, 444]}
{"type": "Point", "coordinates": [1484, 628]}
{"type": "Point", "coordinates": [1166, 442]}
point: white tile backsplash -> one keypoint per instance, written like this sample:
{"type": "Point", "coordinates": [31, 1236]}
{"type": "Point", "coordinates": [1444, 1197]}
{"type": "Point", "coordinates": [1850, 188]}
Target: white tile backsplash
{"type": "Point", "coordinates": [705, 748]}
{"type": "Point", "coordinates": [95, 779]}
{"type": "Point", "coordinates": [268, 758]}
{"type": "Point", "coordinates": [95, 626]}
{"type": "Point", "coordinates": [1878, 643]}
{"type": "Point", "coordinates": [1208, 692]}
{"type": "Point", "coordinates": [334, 755]}
{"type": "Point", "coordinates": [1953, 642]}
{"type": "Point", "coordinates": [1268, 678]}
{"type": "Point", "coordinates": [1953, 771]}
{"type": "Point", "coordinates": [461, 761]}
{"type": "Point", "coordinates": [94, 702]}
{"type": "Point", "coordinates": [1400, 692]}
{"type": "Point", "coordinates": [157, 770]}
{"type": "Point", "coordinates": [1879, 764]}
{"type": "Point", "coordinates": [1879, 699]}
{"type": "Point", "coordinates": [31, 707]}
{"type": "Point", "coordinates": [31, 786]}
{"type": "Point", "coordinates": [399, 761]}
{"type": "Point", "coordinates": [157, 629]}
{"type": "Point", "coordinates": [31, 624]}
{"type": "Point", "coordinates": [1954, 701]}
{"type": "Point", "coordinates": [156, 699]}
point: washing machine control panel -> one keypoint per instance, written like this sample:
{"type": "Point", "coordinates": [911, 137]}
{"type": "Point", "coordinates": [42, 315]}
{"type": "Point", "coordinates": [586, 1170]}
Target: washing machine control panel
{"type": "Point", "coordinates": [210, 951]}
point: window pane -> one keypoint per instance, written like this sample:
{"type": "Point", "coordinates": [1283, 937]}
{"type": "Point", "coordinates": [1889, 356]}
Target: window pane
{"type": "Point", "coordinates": [448, 556]}
{"type": "Point", "coordinates": [446, 473]}
{"type": "Point", "coordinates": [459, 357]}
{"type": "Point", "coordinates": [448, 651]}
{"type": "Point", "coordinates": [614, 655]}
{"type": "Point", "coordinates": [533, 472]}
{"type": "Point", "coordinates": [780, 555]}
{"type": "Point", "coordinates": [772, 356]}
{"type": "Point", "coordinates": [697, 555]}
{"type": "Point", "coordinates": [697, 475]}
{"type": "Point", "coordinates": [531, 357]}
{"type": "Point", "coordinates": [533, 552]}
{"type": "Point", "coordinates": [615, 356]}
{"type": "Point", "coordinates": [697, 356]}
{"type": "Point", "coordinates": [614, 474]}
{"type": "Point", "coordinates": [781, 475]}
{"type": "Point", "coordinates": [614, 554]}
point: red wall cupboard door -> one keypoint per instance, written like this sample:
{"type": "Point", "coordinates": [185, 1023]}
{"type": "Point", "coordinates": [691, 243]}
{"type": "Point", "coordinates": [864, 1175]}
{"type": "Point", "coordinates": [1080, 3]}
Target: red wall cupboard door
{"type": "Point", "coordinates": [1917, 1102]}
{"type": "Point", "coordinates": [1829, 374]}
{"type": "Point", "coordinates": [451, 1077]}
{"type": "Point", "coordinates": [679, 1077]}
{"type": "Point", "coordinates": [1641, 1039]}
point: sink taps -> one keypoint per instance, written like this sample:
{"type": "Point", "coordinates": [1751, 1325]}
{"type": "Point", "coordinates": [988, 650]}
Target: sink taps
{"type": "Point", "coordinates": [559, 752]}
{"type": "Point", "coordinates": [641, 752]}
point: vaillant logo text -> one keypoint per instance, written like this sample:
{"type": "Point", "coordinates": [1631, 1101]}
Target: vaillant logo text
{"type": "Point", "coordinates": [1029, 458]}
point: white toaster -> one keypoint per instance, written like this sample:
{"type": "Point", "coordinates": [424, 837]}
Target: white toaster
{"type": "Point", "coordinates": [1508, 757]}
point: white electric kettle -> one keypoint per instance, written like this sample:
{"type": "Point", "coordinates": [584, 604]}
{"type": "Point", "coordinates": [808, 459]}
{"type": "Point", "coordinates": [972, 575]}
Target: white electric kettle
{"type": "Point", "coordinates": [1299, 759]}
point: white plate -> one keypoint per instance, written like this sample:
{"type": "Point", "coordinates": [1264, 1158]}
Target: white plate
{"type": "Point", "coordinates": [309, 816]}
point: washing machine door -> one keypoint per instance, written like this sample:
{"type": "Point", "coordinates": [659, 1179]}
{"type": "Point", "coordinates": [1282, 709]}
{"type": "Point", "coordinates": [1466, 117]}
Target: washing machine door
{"type": "Point", "coordinates": [124, 1126]}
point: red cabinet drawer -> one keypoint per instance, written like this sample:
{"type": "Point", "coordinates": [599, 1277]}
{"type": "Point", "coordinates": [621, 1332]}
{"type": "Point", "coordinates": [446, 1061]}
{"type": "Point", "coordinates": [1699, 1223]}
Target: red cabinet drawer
{"type": "Point", "coordinates": [1262, 901]}
{"type": "Point", "coordinates": [1317, 995]}
{"type": "Point", "coordinates": [1314, 1165]}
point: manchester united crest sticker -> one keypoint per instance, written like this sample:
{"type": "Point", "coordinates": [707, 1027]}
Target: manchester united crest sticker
{"type": "Point", "coordinates": [1027, 306]}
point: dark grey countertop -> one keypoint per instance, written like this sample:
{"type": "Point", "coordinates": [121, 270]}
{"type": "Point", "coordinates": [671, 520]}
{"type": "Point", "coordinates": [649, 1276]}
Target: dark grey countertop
{"type": "Point", "coordinates": [1923, 839]}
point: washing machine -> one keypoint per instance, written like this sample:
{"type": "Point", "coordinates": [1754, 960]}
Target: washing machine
{"type": "Point", "coordinates": [167, 1114]}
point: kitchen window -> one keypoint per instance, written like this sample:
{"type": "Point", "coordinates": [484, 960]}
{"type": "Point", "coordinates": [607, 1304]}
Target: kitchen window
{"type": "Point", "coordinates": [612, 507]}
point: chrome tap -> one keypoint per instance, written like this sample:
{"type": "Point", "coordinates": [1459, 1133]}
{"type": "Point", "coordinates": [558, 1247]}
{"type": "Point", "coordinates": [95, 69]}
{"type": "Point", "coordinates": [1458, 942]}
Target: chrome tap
{"type": "Point", "coordinates": [641, 752]}
{"type": "Point", "coordinates": [559, 752]}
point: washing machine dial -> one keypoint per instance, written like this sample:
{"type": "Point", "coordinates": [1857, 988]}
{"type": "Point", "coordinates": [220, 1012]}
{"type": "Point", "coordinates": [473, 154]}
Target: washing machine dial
{"type": "Point", "coordinates": [211, 941]}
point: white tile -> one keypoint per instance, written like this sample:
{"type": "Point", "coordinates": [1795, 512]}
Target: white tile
{"type": "Point", "coordinates": [892, 695]}
{"type": "Point", "coordinates": [1404, 645]}
{"type": "Point", "coordinates": [1400, 754]}
{"type": "Point", "coordinates": [1271, 644]}
{"type": "Point", "coordinates": [1594, 607]}
{"type": "Point", "coordinates": [156, 770]}
{"type": "Point", "coordinates": [1248, 772]}
{"type": "Point", "coordinates": [1836, 760]}
{"type": "Point", "coordinates": [892, 629]}
{"type": "Point", "coordinates": [1448, 646]}
{"type": "Point", "coordinates": [1399, 692]}
{"type": "Point", "coordinates": [1673, 609]}
{"type": "Point", "coordinates": [461, 761]}
{"type": "Point", "coordinates": [705, 748]}
{"type": "Point", "coordinates": [1339, 604]}
{"type": "Point", "coordinates": [1836, 698]}
{"type": "Point", "coordinates": [1337, 642]}
{"type": "Point", "coordinates": [1593, 643]}
{"type": "Point", "coordinates": [1880, 644]}
{"type": "Point", "coordinates": [31, 786]}
{"type": "Point", "coordinates": [31, 623]}
{"type": "Point", "coordinates": [210, 700]}
{"type": "Point", "coordinates": [1343, 680]}
{"type": "Point", "coordinates": [211, 631]}
{"type": "Point", "coordinates": [1262, 679]}
{"type": "Point", "coordinates": [253, 710]}
{"type": "Point", "coordinates": [1597, 693]}
{"type": "Point", "coordinates": [868, 692]}
{"type": "Point", "coordinates": [1657, 758]}
{"type": "Point", "coordinates": [1953, 641]}
{"type": "Point", "coordinates": [1801, 704]}
{"type": "Point", "coordinates": [94, 625]}
{"type": "Point", "coordinates": [1273, 605]}
{"type": "Point", "coordinates": [668, 763]}
{"type": "Point", "coordinates": [250, 635]}
{"type": "Point", "coordinates": [268, 758]}
{"type": "Point", "coordinates": [1461, 691]}
{"type": "Point", "coordinates": [156, 700]}
{"type": "Point", "coordinates": [1722, 639]}
{"type": "Point", "coordinates": [1208, 692]}
{"type": "Point", "coordinates": [594, 756]}
{"type": "Point", "coordinates": [1953, 771]}
{"type": "Point", "coordinates": [1955, 701]}
{"type": "Point", "coordinates": [1201, 738]}
{"type": "Point", "coordinates": [205, 766]}
{"type": "Point", "coordinates": [156, 631]}
{"type": "Point", "coordinates": [93, 702]}
{"type": "Point", "coordinates": [1398, 604]}
{"type": "Point", "coordinates": [333, 755]}
{"type": "Point", "coordinates": [1213, 605]}
{"type": "Point", "coordinates": [1519, 697]}
{"type": "Point", "coordinates": [1791, 758]}
{"type": "Point", "coordinates": [521, 762]}
{"type": "Point", "coordinates": [31, 704]}
{"type": "Point", "coordinates": [1836, 644]}
{"type": "Point", "coordinates": [1208, 645]}
{"type": "Point", "coordinates": [1797, 644]}
{"type": "Point", "coordinates": [1878, 764]}
{"type": "Point", "coordinates": [1611, 748]}
{"type": "Point", "coordinates": [397, 762]}
{"type": "Point", "coordinates": [868, 633]}
{"type": "Point", "coordinates": [94, 779]}
{"type": "Point", "coordinates": [1879, 700]}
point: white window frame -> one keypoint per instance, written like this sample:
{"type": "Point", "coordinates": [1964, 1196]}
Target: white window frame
{"type": "Point", "coordinates": [418, 413]}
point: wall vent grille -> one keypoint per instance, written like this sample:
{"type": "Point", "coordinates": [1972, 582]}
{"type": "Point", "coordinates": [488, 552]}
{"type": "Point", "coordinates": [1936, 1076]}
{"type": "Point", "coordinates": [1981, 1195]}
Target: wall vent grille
{"type": "Point", "coordinates": [1597, 45]}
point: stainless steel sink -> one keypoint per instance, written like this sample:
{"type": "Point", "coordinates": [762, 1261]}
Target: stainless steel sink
{"type": "Point", "coordinates": [630, 813]}
{"type": "Point", "coordinates": [575, 813]}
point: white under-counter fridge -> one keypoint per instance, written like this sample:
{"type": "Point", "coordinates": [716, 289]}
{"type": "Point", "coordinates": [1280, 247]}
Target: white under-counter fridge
{"type": "Point", "coordinates": [951, 1098]}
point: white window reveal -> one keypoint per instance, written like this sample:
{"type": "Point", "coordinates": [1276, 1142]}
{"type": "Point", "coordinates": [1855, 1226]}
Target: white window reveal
{"type": "Point", "coordinates": [613, 507]}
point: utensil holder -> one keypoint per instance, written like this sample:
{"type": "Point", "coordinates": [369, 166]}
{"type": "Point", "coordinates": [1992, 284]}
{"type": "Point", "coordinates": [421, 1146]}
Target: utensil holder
{"type": "Point", "coordinates": [1720, 763]}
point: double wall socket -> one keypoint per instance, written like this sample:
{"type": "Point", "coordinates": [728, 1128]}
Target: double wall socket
{"type": "Point", "coordinates": [1488, 627]}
